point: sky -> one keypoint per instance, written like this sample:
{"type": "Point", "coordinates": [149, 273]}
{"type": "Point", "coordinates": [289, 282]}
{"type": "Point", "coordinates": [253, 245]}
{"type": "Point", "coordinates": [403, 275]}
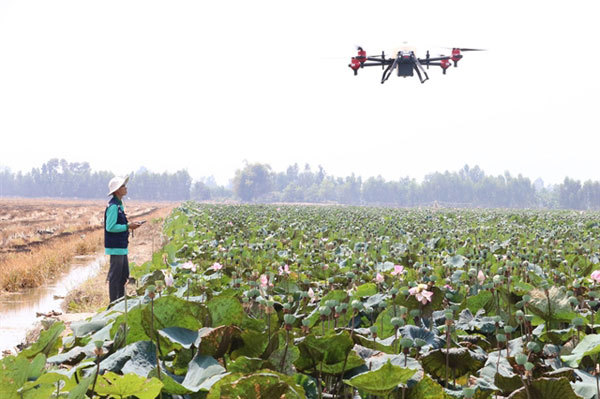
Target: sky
{"type": "Point", "coordinates": [209, 85]}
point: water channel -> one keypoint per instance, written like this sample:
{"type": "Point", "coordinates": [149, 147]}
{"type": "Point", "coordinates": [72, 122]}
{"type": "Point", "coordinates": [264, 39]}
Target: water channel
{"type": "Point", "coordinates": [18, 310]}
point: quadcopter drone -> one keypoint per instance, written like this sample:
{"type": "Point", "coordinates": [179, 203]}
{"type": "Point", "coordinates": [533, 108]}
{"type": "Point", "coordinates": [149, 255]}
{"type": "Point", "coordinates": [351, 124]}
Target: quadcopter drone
{"type": "Point", "coordinates": [405, 62]}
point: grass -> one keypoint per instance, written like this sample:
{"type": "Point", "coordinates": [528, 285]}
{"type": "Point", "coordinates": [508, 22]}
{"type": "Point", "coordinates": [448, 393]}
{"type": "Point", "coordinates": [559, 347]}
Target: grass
{"type": "Point", "coordinates": [32, 269]}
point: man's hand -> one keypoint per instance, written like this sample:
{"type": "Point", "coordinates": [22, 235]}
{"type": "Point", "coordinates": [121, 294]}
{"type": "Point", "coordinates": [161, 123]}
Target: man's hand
{"type": "Point", "coordinates": [134, 225]}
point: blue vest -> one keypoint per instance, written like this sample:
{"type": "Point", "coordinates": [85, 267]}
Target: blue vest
{"type": "Point", "coordinates": [116, 240]}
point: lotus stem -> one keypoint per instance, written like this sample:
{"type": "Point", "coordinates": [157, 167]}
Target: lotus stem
{"type": "Point", "coordinates": [125, 342]}
{"type": "Point", "coordinates": [287, 344]}
{"type": "Point", "coordinates": [341, 380]}
{"type": "Point", "coordinates": [156, 335]}
{"type": "Point", "coordinates": [97, 371]}
{"type": "Point", "coordinates": [268, 329]}
{"type": "Point", "coordinates": [597, 372]}
{"type": "Point", "coordinates": [549, 310]}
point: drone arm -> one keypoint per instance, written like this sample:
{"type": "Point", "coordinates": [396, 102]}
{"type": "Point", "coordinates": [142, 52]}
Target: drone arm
{"type": "Point", "coordinates": [429, 60]}
{"type": "Point", "coordinates": [375, 63]}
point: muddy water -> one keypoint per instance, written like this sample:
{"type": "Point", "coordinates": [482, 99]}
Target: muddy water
{"type": "Point", "coordinates": [18, 310]}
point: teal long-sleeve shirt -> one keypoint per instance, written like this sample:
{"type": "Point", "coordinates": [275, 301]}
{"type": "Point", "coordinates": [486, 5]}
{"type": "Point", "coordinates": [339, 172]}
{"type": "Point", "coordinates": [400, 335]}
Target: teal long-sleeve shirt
{"type": "Point", "coordinates": [113, 227]}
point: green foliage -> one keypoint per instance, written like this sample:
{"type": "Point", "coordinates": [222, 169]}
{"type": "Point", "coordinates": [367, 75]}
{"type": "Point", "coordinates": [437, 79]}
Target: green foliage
{"type": "Point", "coordinates": [295, 309]}
{"type": "Point", "coordinates": [381, 381]}
{"type": "Point", "coordinates": [547, 388]}
{"type": "Point", "coordinates": [331, 354]}
{"type": "Point", "coordinates": [460, 362]}
{"type": "Point", "coordinates": [121, 386]}
{"type": "Point", "coordinates": [589, 345]}
{"type": "Point", "coordinates": [16, 371]}
{"type": "Point", "coordinates": [261, 384]}
{"type": "Point", "coordinates": [226, 311]}
{"type": "Point", "coordinates": [201, 372]}
{"type": "Point", "coordinates": [48, 342]}
{"type": "Point", "coordinates": [426, 389]}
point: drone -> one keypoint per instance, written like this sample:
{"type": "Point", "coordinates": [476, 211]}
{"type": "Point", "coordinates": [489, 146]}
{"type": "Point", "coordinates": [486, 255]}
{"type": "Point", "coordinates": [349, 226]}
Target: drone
{"type": "Point", "coordinates": [406, 62]}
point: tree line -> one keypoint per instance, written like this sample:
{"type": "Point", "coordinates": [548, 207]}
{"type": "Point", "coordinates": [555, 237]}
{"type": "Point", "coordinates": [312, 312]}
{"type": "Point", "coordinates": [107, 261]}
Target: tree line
{"type": "Point", "coordinates": [468, 187]}
{"type": "Point", "coordinates": [257, 182]}
{"type": "Point", "coordinates": [61, 179]}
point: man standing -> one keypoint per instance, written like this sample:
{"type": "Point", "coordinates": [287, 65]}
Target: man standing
{"type": "Point", "coordinates": [116, 237]}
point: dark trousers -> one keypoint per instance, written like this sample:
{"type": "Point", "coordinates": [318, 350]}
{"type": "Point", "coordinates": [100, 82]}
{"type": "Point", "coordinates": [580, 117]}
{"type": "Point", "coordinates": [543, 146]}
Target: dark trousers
{"type": "Point", "coordinates": [118, 273]}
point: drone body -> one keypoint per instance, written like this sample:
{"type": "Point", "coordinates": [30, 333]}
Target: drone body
{"type": "Point", "coordinates": [406, 63]}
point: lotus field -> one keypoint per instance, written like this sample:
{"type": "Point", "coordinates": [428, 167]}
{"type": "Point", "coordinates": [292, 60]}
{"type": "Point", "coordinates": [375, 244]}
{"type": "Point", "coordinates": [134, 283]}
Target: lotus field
{"type": "Point", "coordinates": [251, 301]}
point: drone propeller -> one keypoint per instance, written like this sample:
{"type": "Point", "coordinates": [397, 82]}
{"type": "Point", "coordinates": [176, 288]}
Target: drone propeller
{"type": "Point", "coordinates": [465, 49]}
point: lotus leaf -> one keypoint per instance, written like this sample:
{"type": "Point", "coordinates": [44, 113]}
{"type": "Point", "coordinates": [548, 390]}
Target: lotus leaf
{"type": "Point", "coordinates": [426, 389]}
{"type": "Point", "coordinates": [47, 343]}
{"type": "Point", "coordinates": [460, 362]}
{"type": "Point", "coordinates": [589, 345]}
{"type": "Point", "coordinates": [226, 311]}
{"type": "Point", "coordinates": [200, 370]}
{"type": "Point", "coordinates": [547, 388]}
{"type": "Point", "coordinates": [138, 358]}
{"type": "Point", "coordinates": [121, 386]}
{"type": "Point", "coordinates": [261, 384]}
{"type": "Point", "coordinates": [383, 380]}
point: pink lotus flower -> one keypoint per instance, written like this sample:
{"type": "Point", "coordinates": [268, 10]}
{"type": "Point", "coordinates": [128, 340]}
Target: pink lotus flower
{"type": "Point", "coordinates": [189, 266]}
{"type": "Point", "coordinates": [480, 277]}
{"type": "Point", "coordinates": [284, 270]}
{"type": "Point", "coordinates": [216, 266]}
{"type": "Point", "coordinates": [168, 278]}
{"type": "Point", "coordinates": [378, 278]}
{"type": "Point", "coordinates": [311, 294]}
{"type": "Point", "coordinates": [398, 270]}
{"type": "Point", "coordinates": [325, 266]}
{"type": "Point", "coordinates": [595, 276]}
{"type": "Point", "coordinates": [420, 292]}
{"type": "Point", "coordinates": [264, 281]}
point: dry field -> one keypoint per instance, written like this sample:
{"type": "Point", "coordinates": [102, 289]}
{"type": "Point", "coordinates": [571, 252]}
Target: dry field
{"type": "Point", "coordinates": [39, 236]}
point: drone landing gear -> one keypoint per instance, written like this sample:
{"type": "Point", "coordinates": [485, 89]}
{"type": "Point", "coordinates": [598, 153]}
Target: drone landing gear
{"type": "Point", "coordinates": [419, 68]}
{"type": "Point", "coordinates": [388, 71]}
{"type": "Point", "coordinates": [420, 77]}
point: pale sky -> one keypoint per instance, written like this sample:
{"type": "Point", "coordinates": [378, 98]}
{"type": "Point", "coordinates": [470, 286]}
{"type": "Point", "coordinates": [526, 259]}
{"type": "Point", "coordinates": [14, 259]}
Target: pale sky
{"type": "Point", "coordinates": [205, 85]}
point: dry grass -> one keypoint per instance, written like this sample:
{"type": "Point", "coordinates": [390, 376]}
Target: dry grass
{"type": "Point", "coordinates": [32, 269]}
{"type": "Point", "coordinates": [39, 237]}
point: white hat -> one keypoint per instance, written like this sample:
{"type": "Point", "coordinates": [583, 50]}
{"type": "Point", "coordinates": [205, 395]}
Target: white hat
{"type": "Point", "coordinates": [116, 182]}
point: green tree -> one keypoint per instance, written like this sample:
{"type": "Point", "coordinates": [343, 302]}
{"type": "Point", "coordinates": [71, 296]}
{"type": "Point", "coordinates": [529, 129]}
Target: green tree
{"type": "Point", "coordinates": [252, 182]}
